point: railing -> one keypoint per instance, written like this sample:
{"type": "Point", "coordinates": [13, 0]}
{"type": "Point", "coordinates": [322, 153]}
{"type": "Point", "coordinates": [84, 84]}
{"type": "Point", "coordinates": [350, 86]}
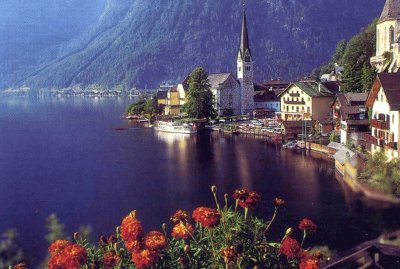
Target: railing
{"type": "Point", "coordinates": [294, 94]}
{"type": "Point", "coordinates": [392, 145]}
{"type": "Point", "coordinates": [379, 124]}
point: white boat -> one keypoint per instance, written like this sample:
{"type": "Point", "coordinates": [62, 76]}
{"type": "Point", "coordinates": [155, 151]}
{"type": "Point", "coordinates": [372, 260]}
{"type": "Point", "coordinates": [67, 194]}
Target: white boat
{"type": "Point", "coordinates": [173, 127]}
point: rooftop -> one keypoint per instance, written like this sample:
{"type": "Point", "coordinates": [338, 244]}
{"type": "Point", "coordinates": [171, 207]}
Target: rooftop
{"type": "Point", "coordinates": [391, 10]}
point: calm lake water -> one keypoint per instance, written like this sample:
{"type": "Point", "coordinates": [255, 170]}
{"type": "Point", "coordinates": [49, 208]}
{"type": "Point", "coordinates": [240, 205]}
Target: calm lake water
{"type": "Point", "coordinates": [63, 156]}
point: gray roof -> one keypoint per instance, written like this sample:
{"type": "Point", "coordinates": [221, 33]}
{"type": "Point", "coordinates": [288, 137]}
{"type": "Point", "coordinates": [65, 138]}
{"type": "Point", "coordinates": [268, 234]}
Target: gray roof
{"type": "Point", "coordinates": [218, 79]}
{"type": "Point", "coordinates": [335, 145]}
{"type": "Point", "coordinates": [312, 89]}
{"type": "Point", "coordinates": [344, 153]}
{"type": "Point", "coordinates": [391, 10]}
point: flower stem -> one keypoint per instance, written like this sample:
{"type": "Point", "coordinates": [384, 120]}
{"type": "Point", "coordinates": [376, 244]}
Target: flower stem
{"type": "Point", "coordinates": [246, 211]}
{"type": "Point", "coordinates": [212, 246]}
{"type": "Point", "coordinates": [304, 237]}
{"type": "Point", "coordinates": [271, 221]}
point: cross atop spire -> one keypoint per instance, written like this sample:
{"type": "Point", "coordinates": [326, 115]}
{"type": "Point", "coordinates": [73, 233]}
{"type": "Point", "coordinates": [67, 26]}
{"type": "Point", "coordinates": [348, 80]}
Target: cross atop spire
{"type": "Point", "coordinates": [244, 39]}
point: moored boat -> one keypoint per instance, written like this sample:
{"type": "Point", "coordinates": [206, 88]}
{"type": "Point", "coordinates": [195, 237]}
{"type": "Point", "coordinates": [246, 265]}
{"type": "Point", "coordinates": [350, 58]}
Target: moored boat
{"type": "Point", "coordinates": [173, 127]}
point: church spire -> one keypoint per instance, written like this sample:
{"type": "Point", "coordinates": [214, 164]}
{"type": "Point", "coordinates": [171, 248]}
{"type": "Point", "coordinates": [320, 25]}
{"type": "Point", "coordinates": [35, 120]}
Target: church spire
{"type": "Point", "coordinates": [244, 39]}
{"type": "Point", "coordinates": [391, 10]}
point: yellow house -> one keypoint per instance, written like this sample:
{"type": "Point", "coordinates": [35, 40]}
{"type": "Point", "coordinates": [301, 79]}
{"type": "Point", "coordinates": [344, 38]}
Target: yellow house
{"type": "Point", "coordinates": [162, 98]}
{"type": "Point", "coordinates": [173, 104]}
{"type": "Point", "coordinates": [305, 100]}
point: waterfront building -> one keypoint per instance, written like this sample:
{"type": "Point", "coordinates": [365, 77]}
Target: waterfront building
{"type": "Point", "coordinates": [226, 91]}
{"type": "Point", "coordinates": [305, 100]}
{"type": "Point", "coordinates": [292, 129]}
{"type": "Point", "coordinates": [350, 117]}
{"type": "Point", "coordinates": [384, 103]}
{"type": "Point", "coordinates": [162, 98]}
{"type": "Point", "coordinates": [266, 100]}
{"type": "Point", "coordinates": [387, 56]}
{"type": "Point", "coordinates": [172, 105]}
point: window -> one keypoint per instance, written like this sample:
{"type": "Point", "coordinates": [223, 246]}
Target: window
{"type": "Point", "coordinates": [308, 109]}
{"type": "Point", "coordinates": [240, 68]}
{"type": "Point", "coordinates": [293, 108]}
{"type": "Point", "coordinates": [309, 98]}
{"type": "Point", "coordinates": [302, 99]}
{"type": "Point", "coordinates": [381, 97]}
{"type": "Point", "coordinates": [297, 109]}
{"type": "Point", "coordinates": [391, 35]}
{"type": "Point", "coordinates": [377, 39]}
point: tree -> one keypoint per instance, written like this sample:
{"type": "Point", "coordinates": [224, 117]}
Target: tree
{"type": "Point", "coordinates": [200, 98]}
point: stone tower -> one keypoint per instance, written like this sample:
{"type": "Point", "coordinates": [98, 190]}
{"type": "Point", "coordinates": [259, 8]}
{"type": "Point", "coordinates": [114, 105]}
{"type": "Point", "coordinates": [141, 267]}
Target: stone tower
{"type": "Point", "coordinates": [245, 69]}
{"type": "Point", "coordinates": [387, 38]}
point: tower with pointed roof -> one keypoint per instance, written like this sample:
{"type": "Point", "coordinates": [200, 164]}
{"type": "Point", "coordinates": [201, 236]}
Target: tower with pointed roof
{"type": "Point", "coordinates": [245, 69]}
{"type": "Point", "coordinates": [387, 38]}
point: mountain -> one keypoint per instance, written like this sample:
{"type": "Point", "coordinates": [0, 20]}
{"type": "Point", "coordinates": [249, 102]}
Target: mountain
{"type": "Point", "coordinates": [144, 42]}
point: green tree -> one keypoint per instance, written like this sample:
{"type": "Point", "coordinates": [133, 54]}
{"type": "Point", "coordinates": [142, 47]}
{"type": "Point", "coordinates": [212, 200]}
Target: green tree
{"type": "Point", "coordinates": [55, 229]}
{"type": "Point", "coordinates": [199, 99]}
{"type": "Point", "coordinates": [10, 251]}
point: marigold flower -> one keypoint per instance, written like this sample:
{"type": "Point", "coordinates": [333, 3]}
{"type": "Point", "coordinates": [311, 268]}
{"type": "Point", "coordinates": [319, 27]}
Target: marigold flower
{"type": "Point", "coordinates": [291, 248]}
{"type": "Point", "coordinates": [207, 217]}
{"type": "Point", "coordinates": [155, 240]}
{"type": "Point", "coordinates": [58, 246]}
{"type": "Point", "coordinates": [21, 266]}
{"type": "Point", "coordinates": [135, 245]}
{"type": "Point", "coordinates": [279, 202]}
{"type": "Point", "coordinates": [246, 198]}
{"type": "Point", "coordinates": [230, 254]}
{"type": "Point", "coordinates": [144, 258]}
{"type": "Point", "coordinates": [307, 225]}
{"type": "Point", "coordinates": [110, 260]}
{"type": "Point", "coordinates": [73, 256]}
{"type": "Point", "coordinates": [180, 215]}
{"type": "Point", "coordinates": [182, 231]}
{"type": "Point", "coordinates": [309, 262]}
{"type": "Point", "coordinates": [56, 262]}
{"type": "Point", "coordinates": [131, 228]}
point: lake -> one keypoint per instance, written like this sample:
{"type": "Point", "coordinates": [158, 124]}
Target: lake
{"type": "Point", "coordinates": [62, 155]}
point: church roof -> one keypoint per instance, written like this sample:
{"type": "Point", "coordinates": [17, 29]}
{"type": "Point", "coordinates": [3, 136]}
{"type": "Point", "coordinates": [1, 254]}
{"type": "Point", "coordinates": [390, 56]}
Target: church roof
{"type": "Point", "coordinates": [244, 38]}
{"type": "Point", "coordinates": [391, 10]}
{"type": "Point", "coordinates": [218, 79]}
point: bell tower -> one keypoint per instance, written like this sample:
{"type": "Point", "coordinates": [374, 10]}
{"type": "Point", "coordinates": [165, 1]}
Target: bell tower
{"type": "Point", "coordinates": [245, 69]}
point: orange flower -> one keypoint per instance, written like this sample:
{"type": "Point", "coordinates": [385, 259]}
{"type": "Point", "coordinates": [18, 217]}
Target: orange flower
{"type": "Point", "coordinates": [230, 254]}
{"type": "Point", "coordinates": [246, 198]}
{"type": "Point", "coordinates": [56, 262]}
{"type": "Point", "coordinates": [291, 248]}
{"type": "Point", "coordinates": [21, 266]}
{"type": "Point", "coordinates": [132, 246]}
{"type": "Point", "coordinates": [279, 202]}
{"type": "Point", "coordinates": [181, 231]}
{"type": "Point", "coordinates": [180, 215]}
{"type": "Point", "coordinates": [207, 217]}
{"type": "Point", "coordinates": [131, 228]}
{"type": "Point", "coordinates": [307, 225]}
{"type": "Point", "coordinates": [72, 256]}
{"type": "Point", "coordinates": [58, 246]}
{"type": "Point", "coordinates": [309, 262]}
{"type": "Point", "coordinates": [155, 240]}
{"type": "Point", "coordinates": [110, 260]}
{"type": "Point", "coordinates": [144, 258]}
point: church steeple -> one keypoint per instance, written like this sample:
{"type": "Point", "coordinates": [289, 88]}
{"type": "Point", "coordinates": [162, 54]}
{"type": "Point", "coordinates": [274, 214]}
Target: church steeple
{"type": "Point", "coordinates": [391, 10]}
{"type": "Point", "coordinates": [245, 52]}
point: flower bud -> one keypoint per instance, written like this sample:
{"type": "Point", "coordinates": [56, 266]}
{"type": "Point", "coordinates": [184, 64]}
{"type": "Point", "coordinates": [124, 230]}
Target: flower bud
{"type": "Point", "coordinates": [77, 236]}
{"type": "Point", "coordinates": [164, 227]}
{"type": "Point", "coordinates": [186, 249]}
{"type": "Point", "coordinates": [214, 189]}
{"type": "Point", "coordinates": [133, 214]}
{"type": "Point", "coordinates": [289, 231]}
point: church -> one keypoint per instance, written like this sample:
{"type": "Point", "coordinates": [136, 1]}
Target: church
{"type": "Point", "coordinates": [233, 94]}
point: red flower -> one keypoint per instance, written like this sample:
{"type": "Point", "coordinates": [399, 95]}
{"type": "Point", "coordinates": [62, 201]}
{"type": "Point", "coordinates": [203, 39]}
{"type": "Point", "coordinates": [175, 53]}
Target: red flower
{"type": "Point", "coordinates": [56, 262]}
{"type": "Point", "coordinates": [72, 257]}
{"type": "Point", "coordinates": [21, 266]}
{"type": "Point", "coordinates": [132, 246]}
{"type": "Point", "coordinates": [131, 228]}
{"type": "Point", "coordinates": [291, 248]}
{"type": "Point", "coordinates": [144, 258]}
{"type": "Point", "coordinates": [246, 198]}
{"type": "Point", "coordinates": [155, 240]}
{"type": "Point", "coordinates": [309, 262]}
{"type": "Point", "coordinates": [207, 217]}
{"type": "Point", "coordinates": [58, 246]}
{"type": "Point", "coordinates": [308, 225]}
{"type": "Point", "coordinates": [180, 215]}
{"type": "Point", "coordinates": [110, 260]}
{"type": "Point", "coordinates": [181, 231]}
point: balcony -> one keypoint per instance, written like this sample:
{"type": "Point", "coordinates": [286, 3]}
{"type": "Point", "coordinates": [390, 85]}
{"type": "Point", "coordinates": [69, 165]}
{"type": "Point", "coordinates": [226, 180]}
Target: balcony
{"type": "Point", "coordinates": [380, 124]}
{"type": "Point", "coordinates": [391, 145]}
{"type": "Point", "coordinates": [294, 94]}
{"type": "Point", "coordinates": [370, 139]}
{"type": "Point", "coordinates": [295, 102]}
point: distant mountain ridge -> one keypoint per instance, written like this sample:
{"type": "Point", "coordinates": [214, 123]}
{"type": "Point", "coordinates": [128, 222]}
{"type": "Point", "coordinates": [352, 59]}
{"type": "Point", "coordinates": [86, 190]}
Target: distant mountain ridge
{"type": "Point", "coordinates": [139, 43]}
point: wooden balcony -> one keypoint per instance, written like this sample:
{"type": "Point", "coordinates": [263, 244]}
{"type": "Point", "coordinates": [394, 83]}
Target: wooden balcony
{"type": "Point", "coordinates": [370, 139]}
{"type": "Point", "coordinates": [294, 94]}
{"type": "Point", "coordinates": [380, 124]}
{"type": "Point", "coordinates": [295, 102]}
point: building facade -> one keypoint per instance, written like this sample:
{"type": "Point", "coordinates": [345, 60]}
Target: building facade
{"type": "Point", "coordinates": [305, 101]}
{"type": "Point", "coordinates": [384, 102]}
{"type": "Point", "coordinates": [226, 91]}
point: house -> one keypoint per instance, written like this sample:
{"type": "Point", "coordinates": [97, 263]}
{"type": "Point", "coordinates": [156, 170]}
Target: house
{"type": "Point", "coordinates": [292, 129]}
{"type": "Point", "coordinates": [173, 105]}
{"type": "Point", "coordinates": [324, 126]}
{"type": "Point", "coordinates": [305, 100]}
{"type": "Point", "coordinates": [343, 156]}
{"type": "Point", "coordinates": [384, 103]}
{"type": "Point", "coordinates": [335, 75]}
{"type": "Point", "coordinates": [162, 97]}
{"type": "Point", "coordinates": [226, 91]}
{"type": "Point", "coordinates": [350, 117]}
{"type": "Point", "coordinates": [387, 55]}
{"type": "Point", "coordinates": [266, 99]}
